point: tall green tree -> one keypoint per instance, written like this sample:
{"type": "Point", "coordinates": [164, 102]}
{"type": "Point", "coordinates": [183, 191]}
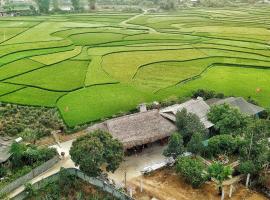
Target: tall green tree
{"type": "Point", "coordinates": [227, 120]}
{"type": "Point", "coordinates": [97, 149]}
{"type": "Point", "coordinates": [195, 145]}
{"type": "Point", "coordinates": [17, 150]}
{"type": "Point", "coordinates": [254, 149]}
{"type": "Point", "coordinates": [92, 4]}
{"type": "Point", "coordinates": [75, 4]}
{"type": "Point", "coordinates": [175, 146]}
{"type": "Point", "coordinates": [55, 5]}
{"type": "Point", "coordinates": [188, 124]}
{"type": "Point", "coordinates": [43, 5]}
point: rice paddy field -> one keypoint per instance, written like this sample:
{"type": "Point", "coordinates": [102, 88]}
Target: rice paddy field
{"type": "Point", "coordinates": [92, 66]}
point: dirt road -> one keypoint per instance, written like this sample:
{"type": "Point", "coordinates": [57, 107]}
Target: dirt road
{"type": "Point", "coordinates": [166, 185]}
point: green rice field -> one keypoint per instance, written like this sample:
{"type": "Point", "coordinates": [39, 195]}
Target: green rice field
{"type": "Point", "coordinates": [93, 66]}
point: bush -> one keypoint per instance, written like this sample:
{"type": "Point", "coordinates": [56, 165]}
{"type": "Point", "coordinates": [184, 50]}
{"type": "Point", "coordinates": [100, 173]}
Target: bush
{"type": "Point", "coordinates": [3, 171]}
{"type": "Point", "coordinates": [206, 94]}
{"type": "Point", "coordinates": [31, 123]}
{"type": "Point", "coordinates": [221, 144]}
{"type": "Point", "coordinates": [191, 170]}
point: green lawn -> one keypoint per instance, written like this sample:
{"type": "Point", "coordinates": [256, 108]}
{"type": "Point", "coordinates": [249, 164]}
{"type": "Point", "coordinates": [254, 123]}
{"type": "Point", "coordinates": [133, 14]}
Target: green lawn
{"type": "Point", "coordinates": [93, 66]}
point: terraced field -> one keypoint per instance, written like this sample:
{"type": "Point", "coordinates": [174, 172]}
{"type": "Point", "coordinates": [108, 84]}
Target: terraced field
{"type": "Point", "coordinates": [92, 66]}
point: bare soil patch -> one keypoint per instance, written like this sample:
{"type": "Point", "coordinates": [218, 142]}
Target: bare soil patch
{"type": "Point", "coordinates": [167, 185]}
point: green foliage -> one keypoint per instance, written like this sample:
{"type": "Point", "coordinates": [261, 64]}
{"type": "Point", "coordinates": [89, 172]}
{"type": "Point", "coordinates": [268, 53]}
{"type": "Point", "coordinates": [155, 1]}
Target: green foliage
{"type": "Point", "coordinates": [192, 170]}
{"type": "Point", "coordinates": [195, 145]}
{"type": "Point", "coordinates": [29, 155]}
{"type": "Point", "coordinates": [3, 171]}
{"type": "Point", "coordinates": [255, 146]}
{"type": "Point", "coordinates": [29, 122]}
{"type": "Point", "coordinates": [67, 186]}
{"type": "Point", "coordinates": [227, 120]}
{"type": "Point", "coordinates": [95, 149]}
{"type": "Point", "coordinates": [188, 124]}
{"type": "Point", "coordinates": [43, 5]}
{"type": "Point", "coordinates": [75, 4]}
{"type": "Point", "coordinates": [30, 190]}
{"type": "Point", "coordinates": [219, 172]}
{"type": "Point", "coordinates": [205, 94]}
{"type": "Point", "coordinates": [175, 146]}
{"type": "Point", "coordinates": [221, 144]}
{"type": "Point", "coordinates": [247, 167]}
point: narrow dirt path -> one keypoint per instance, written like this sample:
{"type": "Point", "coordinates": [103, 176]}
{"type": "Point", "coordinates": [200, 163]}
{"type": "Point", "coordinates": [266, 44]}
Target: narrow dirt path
{"type": "Point", "coordinates": [126, 24]}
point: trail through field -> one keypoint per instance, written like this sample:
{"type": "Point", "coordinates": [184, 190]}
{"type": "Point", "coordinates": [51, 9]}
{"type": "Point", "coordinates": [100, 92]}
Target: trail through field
{"type": "Point", "coordinates": [127, 25]}
{"type": "Point", "coordinates": [166, 185]}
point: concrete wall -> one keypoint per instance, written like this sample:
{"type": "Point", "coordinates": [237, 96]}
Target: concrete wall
{"type": "Point", "coordinates": [24, 179]}
{"type": "Point", "coordinates": [101, 184]}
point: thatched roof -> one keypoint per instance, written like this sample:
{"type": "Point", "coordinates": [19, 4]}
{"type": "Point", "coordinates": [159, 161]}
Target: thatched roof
{"type": "Point", "coordinates": [5, 143]}
{"type": "Point", "coordinates": [196, 106]}
{"type": "Point", "coordinates": [240, 103]}
{"type": "Point", "coordinates": [140, 128]}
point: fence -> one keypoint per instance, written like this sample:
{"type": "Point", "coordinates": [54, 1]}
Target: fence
{"type": "Point", "coordinates": [24, 179]}
{"type": "Point", "coordinates": [99, 183]}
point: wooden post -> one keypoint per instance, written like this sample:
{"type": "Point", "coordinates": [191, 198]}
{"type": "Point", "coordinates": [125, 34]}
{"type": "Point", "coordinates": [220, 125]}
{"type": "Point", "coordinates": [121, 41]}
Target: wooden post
{"type": "Point", "coordinates": [130, 192]}
{"type": "Point", "coordinates": [231, 191]}
{"type": "Point", "coordinates": [247, 181]}
{"type": "Point", "coordinates": [125, 179]}
{"type": "Point", "coordinates": [222, 193]}
{"type": "Point", "coordinates": [141, 185]}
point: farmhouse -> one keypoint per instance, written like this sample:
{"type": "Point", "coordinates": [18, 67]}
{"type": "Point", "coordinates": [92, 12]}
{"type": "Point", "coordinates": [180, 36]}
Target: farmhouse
{"type": "Point", "coordinates": [196, 106]}
{"type": "Point", "coordinates": [139, 129]}
{"type": "Point", "coordinates": [240, 103]}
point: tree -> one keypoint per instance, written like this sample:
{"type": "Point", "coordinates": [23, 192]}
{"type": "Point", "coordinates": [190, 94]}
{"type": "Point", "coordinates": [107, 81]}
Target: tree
{"type": "Point", "coordinates": [192, 170]}
{"type": "Point", "coordinates": [29, 135]}
{"type": "Point", "coordinates": [188, 124]}
{"type": "Point", "coordinates": [56, 5]}
{"type": "Point", "coordinates": [221, 144]}
{"type": "Point", "coordinates": [16, 151]}
{"type": "Point", "coordinates": [220, 173]}
{"type": "Point", "coordinates": [97, 149]}
{"type": "Point", "coordinates": [92, 4]}
{"type": "Point", "coordinates": [227, 120]}
{"type": "Point", "coordinates": [43, 5]}
{"type": "Point", "coordinates": [75, 4]}
{"type": "Point", "coordinates": [195, 145]}
{"type": "Point", "coordinates": [248, 168]}
{"type": "Point", "coordinates": [175, 146]}
{"type": "Point", "coordinates": [255, 146]}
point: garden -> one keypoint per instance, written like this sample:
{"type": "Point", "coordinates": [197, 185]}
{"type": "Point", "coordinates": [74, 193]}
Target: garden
{"type": "Point", "coordinates": [93, 66]}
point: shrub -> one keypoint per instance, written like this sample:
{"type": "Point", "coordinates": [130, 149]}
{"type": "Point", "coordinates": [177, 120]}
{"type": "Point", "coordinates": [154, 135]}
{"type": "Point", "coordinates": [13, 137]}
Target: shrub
{"type": "Point", "coordinates": [191, 170]}
{"type": "Point", "coordinates": [205, 94]}
{"type": "Point", "coordinates": [221, 144]}
{"type": "Point", "coordinates": [3, 171]}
